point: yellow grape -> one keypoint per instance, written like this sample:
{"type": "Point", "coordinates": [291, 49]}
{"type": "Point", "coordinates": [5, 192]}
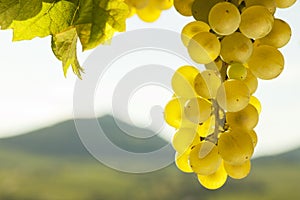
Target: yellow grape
{"type": "Point", "coordinates": [173, 112]}
{"type": "Point", "coordinates": [132, 11]}
{"type": "Point", "coordinates": [163, 4]}
{"type": "Point", "coordinates": [149, 13]}
{"type": "Point", "coordinates": [269, 4]}
{"type": "Point", "coordinates": [207, 83]}
{"type": "Point", "coordinates": [279, 35]}
{"type": "Point", "coordinates": [183, 80]}
{"type": "Point", "coordinates": [206, 128]}
{"type": "Point", "coordinates": [191, 29]}
{"type": "Point", "coordinates": [253, 136]}
{"type": "Point", "coordinates": [266, 62]}
{"type": "Point", "coordinates": [138, 4]}
{"type": "Point", "coordinates": [215, 180]}
{"type": "Point", "coordinates": [246, 118]}
{"type": "Point", "coordinates": [251, 82]}
{"type": "Point", "coordinates": [184, 7]}
{"type": "Point", "coordinates": [204, 47]}
{"type": "Point", "coordinates": [182, 162]}
{"type": "Point", "coordinates": [201, 8]}
{"type": "Point", "coordinates": [256, 22]}
{"type": "Point", "coordinates": [185, 138]}
{"type": "Point", "coordinates": [233, 95]}
{"type": "Point", "coordinates": [237, 71]}
{"type": "Point", "coordinates": [198, 110]}
{"type": "Point", "coordinates": [235, 146]}
{"type": "Point", "coordinates": [216, 65]}
{"type": "Point", "coordinates": [204, 158]}
{"type": "Point", "coordinates": [238, 171]}
{"type": "Point", "coordinates": [256, 103]}
{"type": "Point", "coordinates": [236, 48]}
{"type": "Point", "coordinates": [284, 3]}
{"type": "Point", "coordinates": [224, 18]}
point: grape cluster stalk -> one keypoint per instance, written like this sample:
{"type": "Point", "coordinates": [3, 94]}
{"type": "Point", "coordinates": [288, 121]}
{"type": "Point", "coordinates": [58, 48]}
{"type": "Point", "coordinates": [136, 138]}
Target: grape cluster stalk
{"type": "Point", "coordinates": [214, 111]}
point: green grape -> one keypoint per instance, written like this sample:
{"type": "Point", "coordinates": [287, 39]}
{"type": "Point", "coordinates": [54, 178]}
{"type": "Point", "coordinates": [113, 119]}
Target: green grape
{"type": "Point", "coordinates": [173, 112]}
{"type": "Point", "coordinates": [201, 8]}
{"type": "Point", "coordinates": [183, 81]}
{"type": "Point", "coordinates": [149, 13]}
{"type": "Point", "coordinates": [279, 35]}
{"type": "Point", "coordinates": [185, 138]}
{"type": "Point", "coordinates": [253, 136]}
{"type": "Point", "coordinates": [269, 4]}
{"type": "Point", "coordinates": [233, 95]}
{"type": "Point", "coordinates": [246, 118]}
{"type": "Point", "coordinates": [191, 29]}
{"type": "Point", "coordinates": [266, 62]}
{"type": "Point", "coordinates": [204, 47]}
{"type": "Point", "coordinates": [256, 103]}
{"type": "Point", "coordinates": [163, 4]}
{"type": "Point", "coordinates": [184, 7]}
{"type": "Point", "coordinates": [204, 158]}
{"type": "Point", "coordinates": [224, 18]}
{"type": "Point", "coordinates": [251, 81]}
{"type": "Point", "coordinates": [198, 110]}
{"type": "Point", "coordinates": [182, 161]}
{"type": "Point", "coordinates": [284, 3]}
{"type": "Point", "coordinates": [138, 4]}
{"type": "Point", "coordinates": [215, 180]}
{"type": "Point", "coordinates": [236, 48]}
{"type": "Point", "coordinates": [235, 146]}
{"type": "Point", "coordinates": [207, 83]}
{"type": "Point", "coordinates": [256, 22]}
{"type": "Point", "coordinates": [238, 171]}
{"type": "Point", "coordinates": [216, 65]}
{"type": "Point", "coordinates": [237, 71]}
{"type": "Point", "coordinates": [206, 128]}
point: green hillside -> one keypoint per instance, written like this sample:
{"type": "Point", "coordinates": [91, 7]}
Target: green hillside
{"type": "Point", "coordinates": [52, 164]}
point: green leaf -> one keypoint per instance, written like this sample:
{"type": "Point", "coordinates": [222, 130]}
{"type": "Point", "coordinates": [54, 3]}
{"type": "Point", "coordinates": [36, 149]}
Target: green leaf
{"type": "Point", "coordinates": [98, 20]}
{"type": "Point", "coordinates": [9, 9]}
{"type": "Point", "coordinates": [52, 19]}
{"type": "Point", "coordinates": [64, 48]}
{"type": "Point", "coordinates": [28, 9]}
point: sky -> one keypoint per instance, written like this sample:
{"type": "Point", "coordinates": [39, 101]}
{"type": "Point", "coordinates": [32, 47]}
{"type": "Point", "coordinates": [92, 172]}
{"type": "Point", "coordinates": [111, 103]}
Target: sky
{"type": "Point", "coordinates": [35, 94]}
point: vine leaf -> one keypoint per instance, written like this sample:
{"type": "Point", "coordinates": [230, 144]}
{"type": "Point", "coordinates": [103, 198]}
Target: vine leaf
{"type": "Point", "coordinates": [28, 9]}
{"type": "Point", "coordinates": [64, 48]}
{"type": "Point", "coordinates": [52, 19]}
{"type": "Point", "coordinates": [9, 10]}
{"type": "Point", "coordinates": [98, 20]}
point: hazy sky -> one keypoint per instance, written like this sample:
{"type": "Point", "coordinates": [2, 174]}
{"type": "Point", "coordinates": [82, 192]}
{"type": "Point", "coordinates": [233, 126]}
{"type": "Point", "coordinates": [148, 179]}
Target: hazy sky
{"type": "Point", "coordinates": [35, 94]}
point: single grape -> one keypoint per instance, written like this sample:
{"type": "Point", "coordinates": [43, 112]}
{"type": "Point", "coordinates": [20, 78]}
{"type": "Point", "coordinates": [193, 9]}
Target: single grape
{"type": "Point", "coordinates": [236, 48]}
{"type": "Point", "coordinates": [191, 29]}
{"type": "Point", "coordinates": [207, 83]}
{"type": "Point", "coordinates": [183, 81]}
{"type": "Point", "coordinates": [224, 18]}
{"type": "Point", "coordinates": [284, 3]}
{"type": "Point", "coordinates": [279, 35]}
{"type": "Point", "coordinates": [163, 4]}
{"type": "Point", "coordinates": [184, 7]}
{"type": "Point", "coordinates": [215, 180]}
{"type": "Point", "coordinates": [253, 136]}
{"type": "Point", "coordinates": [204, 47]}
{"type": "Point", "coordinates": [184, 139]}
{"type": "Point", "coordinates": [204, 158]}
{"type": "Point", "coordinates": [238, 171]}
{"type": "Point", "coordinates": [269, 4]}
{"type": "Point", "coordinates": [182, 162]}
{"type": "Point", "coordinates": [256, 103]}
{"type": "Point", "coordinates": [201, 8]}
{"type": "Point", "coordinates": [246, 118]}
{"type": "Point", "coordinates": [251, 82]}
{"type": "Point", "coordinates": [149, 13]}
{"type": "Point", "coordinates": [173, 112]}
{"type": "Point", "coordinates": [233, 95]}
{"type": "Point", "coordinates": [237, 71]}
{"type": "Point", "coordinates": [197, 110]}
{"type": "Point", "coordinates": [256, 22]}
{"type": "Point", "coordinates": [266, 62]}
{"type": "Point", "coordinates": [235, 146]}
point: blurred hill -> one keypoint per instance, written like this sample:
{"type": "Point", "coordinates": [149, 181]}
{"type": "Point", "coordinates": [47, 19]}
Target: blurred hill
{"type": "Point", "coordinates": [52, 164]}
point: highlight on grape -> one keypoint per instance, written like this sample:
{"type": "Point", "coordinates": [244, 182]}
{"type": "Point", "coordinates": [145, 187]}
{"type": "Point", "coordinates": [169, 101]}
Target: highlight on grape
{"type": "Point", "coordinates": [215, 111]}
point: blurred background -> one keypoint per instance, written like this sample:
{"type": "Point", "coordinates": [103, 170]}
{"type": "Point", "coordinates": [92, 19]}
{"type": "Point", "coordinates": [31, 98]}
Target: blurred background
{"type": "Point", "coordinates": [42, 157]}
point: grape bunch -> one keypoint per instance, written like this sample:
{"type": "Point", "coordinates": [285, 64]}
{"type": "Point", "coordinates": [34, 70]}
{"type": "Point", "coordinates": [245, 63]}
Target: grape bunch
{"type": "Point", "coordinates": [148, 10]}
{"type": "Point", "coordinates": [214, 111]}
